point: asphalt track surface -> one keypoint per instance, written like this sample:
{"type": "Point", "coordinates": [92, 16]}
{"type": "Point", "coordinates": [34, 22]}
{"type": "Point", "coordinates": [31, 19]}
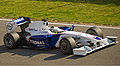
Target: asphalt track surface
{"type": "Point", "coordinates": [107, 56]}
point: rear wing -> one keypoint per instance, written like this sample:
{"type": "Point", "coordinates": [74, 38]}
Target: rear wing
{"type": "Point", "coordinates": [12, 25]}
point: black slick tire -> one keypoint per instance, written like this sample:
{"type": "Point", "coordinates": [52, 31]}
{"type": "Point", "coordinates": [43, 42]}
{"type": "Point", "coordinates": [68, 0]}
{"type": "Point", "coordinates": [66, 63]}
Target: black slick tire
{"type": "Point", "coordinates": [11, 40]}
{"type": "Point", "coordinates": [66, 45]}
{"type": "Point", "coordinates": [95, 31]}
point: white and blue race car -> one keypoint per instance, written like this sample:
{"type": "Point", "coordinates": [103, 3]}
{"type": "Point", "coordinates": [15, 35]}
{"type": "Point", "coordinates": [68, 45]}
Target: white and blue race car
{"type": "Point", "coordinates": [39, 35]}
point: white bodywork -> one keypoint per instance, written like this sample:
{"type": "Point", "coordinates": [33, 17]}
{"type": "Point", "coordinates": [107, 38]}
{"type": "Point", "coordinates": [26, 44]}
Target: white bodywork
{"type": "Point", "coordinates": [11, 26]}
{"type": "Point", "coordinates": [40, 28]}
{"type": "Point", "coordinates": [82, 38]}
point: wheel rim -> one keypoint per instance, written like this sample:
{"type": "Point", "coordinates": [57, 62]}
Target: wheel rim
{"type": "Point", "coordinates": [64, 46]}
{"type": "Point", "coordinates": [8, 41]}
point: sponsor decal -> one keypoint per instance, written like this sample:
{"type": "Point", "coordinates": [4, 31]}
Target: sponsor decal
{"type": "Point", "coordinates": [9, 26]}
{"type": "Point", "coordinates": [32, 29]}
{"type": "Point", "coordinates": [37, 42]}
{"type": "Point", "coordinates": [87, 48]}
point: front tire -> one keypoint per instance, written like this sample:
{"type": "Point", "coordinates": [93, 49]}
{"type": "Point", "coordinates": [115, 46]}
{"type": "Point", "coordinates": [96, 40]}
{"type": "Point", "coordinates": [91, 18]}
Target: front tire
{"type": "Point", "coordinates": [11, 40]}
{"type": "Point", "coordinates": [95, 31]}
{"type": "Point", "coordinates": [67, 45]}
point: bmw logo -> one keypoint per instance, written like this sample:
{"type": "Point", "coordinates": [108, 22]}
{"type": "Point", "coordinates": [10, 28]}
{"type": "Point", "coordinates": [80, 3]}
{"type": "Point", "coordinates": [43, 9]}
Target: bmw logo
{"type": "Point", "coordinates": [9, 26]}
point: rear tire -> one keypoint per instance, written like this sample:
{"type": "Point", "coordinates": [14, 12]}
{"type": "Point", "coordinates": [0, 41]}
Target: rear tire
{"type": "Point", "coordinates": [67, 45]}
{"type": "Point", "coordinates": [11, 40]}
{"type": "Point", "coordinates": [95, 31]}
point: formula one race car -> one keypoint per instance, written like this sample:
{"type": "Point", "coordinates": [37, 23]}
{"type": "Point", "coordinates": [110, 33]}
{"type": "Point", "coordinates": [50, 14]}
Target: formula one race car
{"type": "Point", "coordinates": [39, 35]}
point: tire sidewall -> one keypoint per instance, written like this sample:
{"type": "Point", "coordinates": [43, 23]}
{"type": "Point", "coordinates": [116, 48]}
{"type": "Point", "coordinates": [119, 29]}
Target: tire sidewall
{"type": "Point", "coordinates": [68, 46]}
{"type": "Point", "coordinates": [13, 44]}
{"type": "Point", "coordinates": [96, 30]}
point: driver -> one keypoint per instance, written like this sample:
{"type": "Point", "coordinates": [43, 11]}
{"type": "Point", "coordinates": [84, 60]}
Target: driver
{"type": "Point", "coordinates": [55, 29]}
{"type": "Point", "coordinates": [52, 29]}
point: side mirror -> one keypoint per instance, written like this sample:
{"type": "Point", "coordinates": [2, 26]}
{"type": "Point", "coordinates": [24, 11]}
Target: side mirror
{"type": "Point", "coordinates": [72, 29]}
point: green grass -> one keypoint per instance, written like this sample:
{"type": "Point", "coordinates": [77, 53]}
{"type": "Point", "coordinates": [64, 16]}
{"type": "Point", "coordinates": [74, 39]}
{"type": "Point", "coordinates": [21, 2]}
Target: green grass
{"type": "Point", "coordinates": [105, 12]}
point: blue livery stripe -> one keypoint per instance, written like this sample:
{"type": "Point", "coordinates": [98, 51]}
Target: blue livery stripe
{"type": "Point", "coordinates": [97, 38]}
{"type": "Point", "coordinates": [65, 28]}
{"type": "Point", "coordinates": [18, 21]}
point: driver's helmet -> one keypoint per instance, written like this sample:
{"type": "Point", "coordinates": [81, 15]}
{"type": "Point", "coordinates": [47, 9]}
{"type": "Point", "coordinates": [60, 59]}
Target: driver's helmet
{"type": "Point", "coordinates": [53, 30]}
{"type": "Point", "coordinates": [52, 27]}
